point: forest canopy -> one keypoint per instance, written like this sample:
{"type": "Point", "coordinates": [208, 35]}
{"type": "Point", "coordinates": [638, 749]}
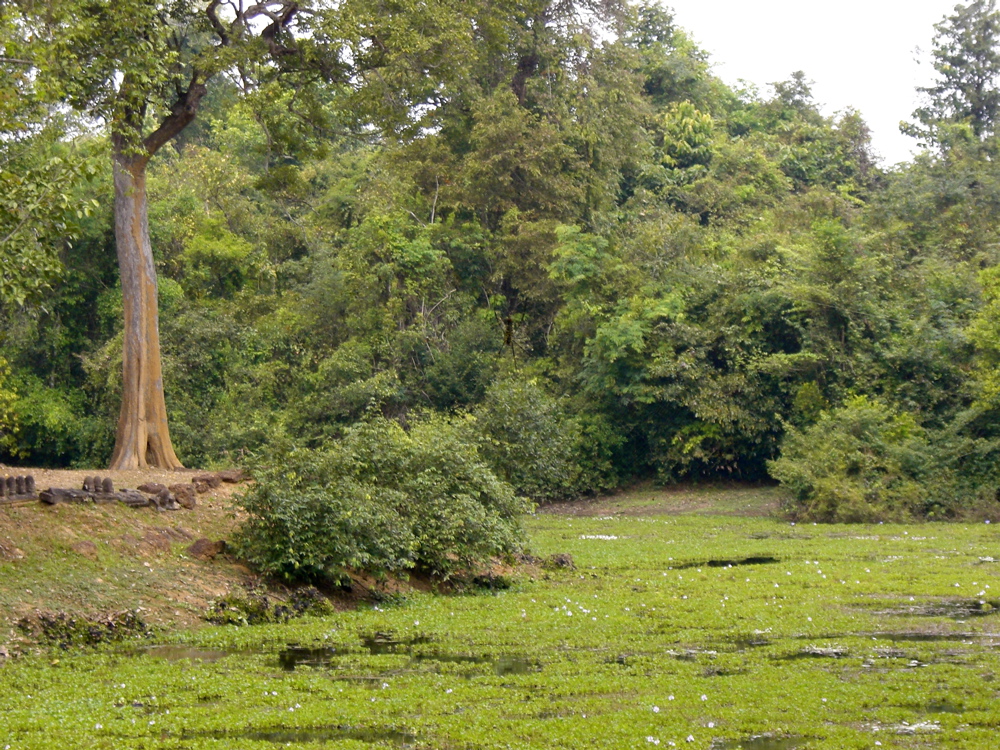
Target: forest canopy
{"type": "Point", "coordinates": [544, 228]}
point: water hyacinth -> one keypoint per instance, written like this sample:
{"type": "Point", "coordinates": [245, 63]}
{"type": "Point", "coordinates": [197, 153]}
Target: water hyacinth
{"type": "Point", "coordinates": [515, 671]}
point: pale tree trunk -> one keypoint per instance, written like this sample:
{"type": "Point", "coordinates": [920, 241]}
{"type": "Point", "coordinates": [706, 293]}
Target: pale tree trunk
{"type": "Point", "coordinates": [142, 438]}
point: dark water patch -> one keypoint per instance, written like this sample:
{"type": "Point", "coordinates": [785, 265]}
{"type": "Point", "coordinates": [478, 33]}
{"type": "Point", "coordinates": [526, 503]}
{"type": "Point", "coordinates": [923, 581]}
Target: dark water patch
{"type": "Point", "coordinates": [503, 665]}
{"type": "Point", "coordinates": [955, 609]}
{"type": "Point", "coordinates": [991, 640]}
{"type": "Point", "coordinates": [943, 707]}
{"type": "Point", "coordinates": [380, 644]}
{"type": "Point", "coordinates": [297, 735]}
{"type": "Point", "coordinates": [745, 644]}
{"type": "Point", "coordinates": [816, 653]}
{"type": "Point", "coordinates": [295, 656]}
{"type": "Point", "coordinates": [373, 680]}
{"type": "Point", "coordinates": [918, 637]}
{"type": "Point", "coordinates": [509, 665]}
{"type": "Point", "coordinates": [713, 671]}
{"type": "Point", "coordinates": [761, 742]}
{"type": "Point", "coordinates": [443, 658]}
{"type": "Point", "coordinates": [181, 652]}
{"type": "Point", "coordinates": [727, 563]}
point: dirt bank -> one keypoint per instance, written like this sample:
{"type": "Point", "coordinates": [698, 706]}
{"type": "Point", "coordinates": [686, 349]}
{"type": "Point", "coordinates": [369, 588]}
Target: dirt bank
{"type": "Point", "coordinates": [98, 559]}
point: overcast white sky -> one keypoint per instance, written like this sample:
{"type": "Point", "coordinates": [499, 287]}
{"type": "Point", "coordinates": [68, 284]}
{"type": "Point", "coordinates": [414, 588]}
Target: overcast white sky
{"type": "Point", "coordinates": [859, 53]}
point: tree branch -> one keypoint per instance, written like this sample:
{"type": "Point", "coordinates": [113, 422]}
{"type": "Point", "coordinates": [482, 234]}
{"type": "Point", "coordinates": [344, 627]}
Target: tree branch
{"type": "Point", "coordinates": [213, 17]}
{"type": "Point", "coordinates": [280, 18]}
{"type": "Point", "coordinates": [181, 115]}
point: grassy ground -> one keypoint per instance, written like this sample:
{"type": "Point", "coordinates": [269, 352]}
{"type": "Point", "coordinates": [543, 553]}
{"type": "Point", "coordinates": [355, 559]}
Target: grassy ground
{"type": "Point", "coordinates": [696, 628]}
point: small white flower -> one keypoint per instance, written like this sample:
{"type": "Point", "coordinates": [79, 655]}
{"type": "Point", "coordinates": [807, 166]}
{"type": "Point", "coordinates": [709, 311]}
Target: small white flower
{"type": "Point", "coordinates": [96, 726]}
{"type": "Point", "coordinates": [711, 725]}
{"type": "Point", "coordinates": [656, 709]}
{"type": "Point", "coordinates": [704, 697]}
{"type": "Point", "coordinates": [448, 690]}
{"type": "Point", "coordinates": [670, 698]}
{"type": "Point", "coordinates": [690, 738]}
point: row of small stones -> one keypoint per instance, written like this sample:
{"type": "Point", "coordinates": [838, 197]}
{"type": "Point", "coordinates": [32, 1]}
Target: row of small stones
{"type": "Point", "coordinates": [14, 486]}
{"type": "Point", "coordinates": [25, 485]}
{"type": "Point", "coordinates": [96, 484]}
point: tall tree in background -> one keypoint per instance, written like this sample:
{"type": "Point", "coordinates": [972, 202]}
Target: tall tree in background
{"type": "Point", "coordinates": [143, 68]}
{"type": "Point", "coordinates": [966, 57]}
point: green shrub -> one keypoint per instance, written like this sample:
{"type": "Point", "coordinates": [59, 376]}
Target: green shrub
{"type": "Point", "coordinates": [8, 422]}
{"type": "Point", "coordinates": [861, 462]}
{"type": "Point", "coordinates": [382, 499]}
{"type": "Point", "coordinates": [529, 440]}
{"type": "Point", "coordinates": [52, 426]}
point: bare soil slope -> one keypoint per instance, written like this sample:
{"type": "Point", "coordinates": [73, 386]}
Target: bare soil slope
{"type": "Point", "coordinates": [100, 559]}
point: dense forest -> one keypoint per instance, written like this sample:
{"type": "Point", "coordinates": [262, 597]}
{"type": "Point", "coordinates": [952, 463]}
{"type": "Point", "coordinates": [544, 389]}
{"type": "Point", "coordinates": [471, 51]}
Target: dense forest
{"type": "Point", "coordinates": [538, 239]}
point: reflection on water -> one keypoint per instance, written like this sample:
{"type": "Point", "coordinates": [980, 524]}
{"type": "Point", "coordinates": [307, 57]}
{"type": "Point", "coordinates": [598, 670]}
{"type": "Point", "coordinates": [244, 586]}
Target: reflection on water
{"type": "Point", "coordinates": [502, 665]}
{"type": "Point", "coordinates": [762, 742]}
{"type": "Point", "coordinates": [173, 652]}
{"type": "Point", "coordinates": [296, 735]}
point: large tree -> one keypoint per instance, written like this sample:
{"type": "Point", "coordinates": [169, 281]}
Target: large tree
{"type": "Point", "coordinates": [966, 59]}
{"type": "Point", "coordinates": [143, 68]}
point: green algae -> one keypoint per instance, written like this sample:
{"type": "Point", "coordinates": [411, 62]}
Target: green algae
{"type": "Point", "coordinates": [626, 650]}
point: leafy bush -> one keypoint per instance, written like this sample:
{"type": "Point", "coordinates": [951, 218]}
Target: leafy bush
{"type": "Point", "coordinates": [52, 426]}
{"type": "Point", "coordinates": [529, 440]}
{"type": "Point", "coordinates": [382, 499]}
{"type": "Point", "coordinates": [860, 462]}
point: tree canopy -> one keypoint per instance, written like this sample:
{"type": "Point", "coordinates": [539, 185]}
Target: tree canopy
{"type": "Point", "coordinates": [543, 228]}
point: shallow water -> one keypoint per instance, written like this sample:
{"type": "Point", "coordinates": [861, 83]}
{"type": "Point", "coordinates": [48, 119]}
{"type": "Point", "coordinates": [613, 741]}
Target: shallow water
{"type": "Point", "coordinates": [956, 609]}
{"type": "Point", "coordinates": [504, 664]}
{"type": "Point", "coordinates": [728, 563]}
{"type": "Point", "coordinates": [298, 735]}
{"type": "Point", "coordinates": [763, 742]}
{"type": "Point", "coordinates": [178, 652]}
